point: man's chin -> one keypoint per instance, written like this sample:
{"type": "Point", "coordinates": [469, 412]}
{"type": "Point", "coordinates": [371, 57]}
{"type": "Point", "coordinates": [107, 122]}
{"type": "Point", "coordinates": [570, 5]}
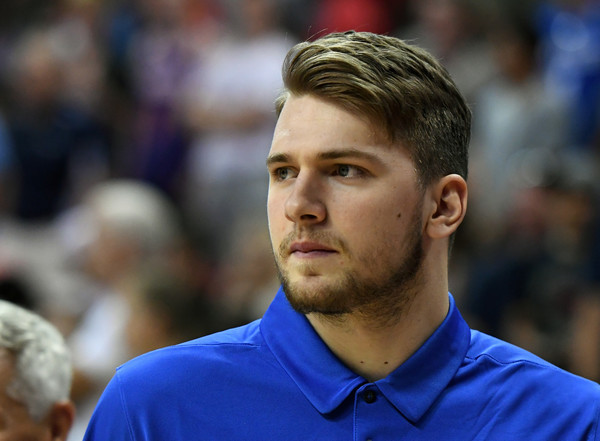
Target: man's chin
{"type": "Point", "coordinates": [310, 285]}
{"type": "Point", "coordinates": [317, 294]}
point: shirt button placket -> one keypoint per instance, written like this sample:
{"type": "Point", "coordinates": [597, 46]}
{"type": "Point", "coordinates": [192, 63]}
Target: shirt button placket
{"type": "Point", "coordinates": [376, 418]}
{"type": "Point", "coordinates": [369, 396]}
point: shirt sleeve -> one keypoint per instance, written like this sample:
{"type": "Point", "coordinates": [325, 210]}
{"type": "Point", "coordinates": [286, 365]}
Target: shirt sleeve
{"type": "Point", "coordinates": [597, 422]}
{"type": "Point", "coordinates": [110, 420]}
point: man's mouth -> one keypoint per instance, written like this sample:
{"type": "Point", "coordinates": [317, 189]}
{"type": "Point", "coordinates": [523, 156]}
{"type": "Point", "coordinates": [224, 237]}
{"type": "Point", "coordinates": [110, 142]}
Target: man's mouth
{"type": "Point", "coordinates": [310, 249]}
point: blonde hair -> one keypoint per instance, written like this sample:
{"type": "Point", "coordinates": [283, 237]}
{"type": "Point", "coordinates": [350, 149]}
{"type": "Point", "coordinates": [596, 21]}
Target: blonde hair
{"type": "Point", "coordinates": [400, 88]}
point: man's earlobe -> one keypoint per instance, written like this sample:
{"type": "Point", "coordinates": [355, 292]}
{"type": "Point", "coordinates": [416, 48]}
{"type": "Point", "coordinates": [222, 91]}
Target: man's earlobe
{"type": "Point", "coordinates": [450, 196]}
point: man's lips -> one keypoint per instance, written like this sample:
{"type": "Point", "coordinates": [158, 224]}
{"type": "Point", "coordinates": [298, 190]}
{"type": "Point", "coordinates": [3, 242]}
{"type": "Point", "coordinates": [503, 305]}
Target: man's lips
{"type": "Point", "coordinates": [310, 248]}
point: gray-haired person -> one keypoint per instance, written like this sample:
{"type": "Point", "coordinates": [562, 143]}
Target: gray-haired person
{"type": "Point", "coordinates": [35, 378]}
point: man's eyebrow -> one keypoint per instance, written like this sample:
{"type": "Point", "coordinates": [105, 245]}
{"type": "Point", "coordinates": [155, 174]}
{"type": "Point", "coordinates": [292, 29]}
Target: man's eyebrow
{"type": "Point", "coordinates": [277, 158]}
{"type": "Point", "coordinates": [348, 153]}
{"type": "Point", "coordinates": [328, 155]}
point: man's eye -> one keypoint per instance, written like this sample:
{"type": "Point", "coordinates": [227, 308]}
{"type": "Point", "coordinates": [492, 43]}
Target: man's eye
{"type": "Point", "coordinates": [348, 171]}
{"type": "Point", "coordinates": [283, 173]}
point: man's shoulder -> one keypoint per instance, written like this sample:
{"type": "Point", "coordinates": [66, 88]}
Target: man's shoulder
{"type": "Point", "coordinates": [500, 351]}
{"type": "Point", "coordinates": [497, 358]}
{"type": "Point", "coordinates": [513, 392]}
{"type": "Point", "coordinates": [208, 354]}
{"type": "Point", "coordinates": [189, 385]}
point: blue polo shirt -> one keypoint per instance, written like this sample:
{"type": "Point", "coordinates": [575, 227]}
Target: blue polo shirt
{"type": "Point", "coordinates": [275, 379]}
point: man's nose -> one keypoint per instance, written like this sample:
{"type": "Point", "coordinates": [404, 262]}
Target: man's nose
{"type": "Point", "coordinates": [305, 202]}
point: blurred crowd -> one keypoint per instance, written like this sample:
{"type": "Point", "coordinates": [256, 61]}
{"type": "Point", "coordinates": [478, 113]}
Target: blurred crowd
{"type": "Point", "coordinates": [132, 181]}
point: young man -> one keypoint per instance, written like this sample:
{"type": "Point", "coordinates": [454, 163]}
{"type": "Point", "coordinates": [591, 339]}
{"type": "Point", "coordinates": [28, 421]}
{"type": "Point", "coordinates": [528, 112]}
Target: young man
{"type": "Point", "coordinates": [367, 187]}
{"type": "Point", "coordinates": [35, 378]}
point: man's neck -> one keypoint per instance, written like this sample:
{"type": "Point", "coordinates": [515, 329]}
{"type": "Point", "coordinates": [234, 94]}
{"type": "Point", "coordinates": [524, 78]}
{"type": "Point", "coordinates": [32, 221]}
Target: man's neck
{"type": "Point", "coordinates": [374, 351]}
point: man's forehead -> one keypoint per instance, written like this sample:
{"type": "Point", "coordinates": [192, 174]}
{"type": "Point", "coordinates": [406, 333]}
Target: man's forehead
{"type": "Point", "coordinates": [304, 115]}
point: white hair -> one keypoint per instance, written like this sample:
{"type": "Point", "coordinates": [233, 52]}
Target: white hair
{"type": "Point", "coordinates": [43, 370]}
{"type": "Point", "coordinates": [137, 211]}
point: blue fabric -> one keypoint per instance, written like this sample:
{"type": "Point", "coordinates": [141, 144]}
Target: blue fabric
{"type": "Point", "coordinates": [274, 379]}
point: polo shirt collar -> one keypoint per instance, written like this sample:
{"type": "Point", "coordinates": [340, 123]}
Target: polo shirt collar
{"type": "Point", "coordinates": [326, 382]}
{"type": "Point", "coordinates": [417, 383]}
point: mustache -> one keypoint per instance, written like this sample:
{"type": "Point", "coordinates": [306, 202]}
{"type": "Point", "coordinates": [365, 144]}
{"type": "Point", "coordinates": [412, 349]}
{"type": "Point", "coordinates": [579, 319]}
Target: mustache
{"type": "Point", "coordinates": [325, 238]}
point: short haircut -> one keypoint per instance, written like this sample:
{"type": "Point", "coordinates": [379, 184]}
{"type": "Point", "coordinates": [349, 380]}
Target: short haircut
{"type": "Point", "coordinates": [400, 88]}
{"type": "Point", "coordinates": [43, 371]}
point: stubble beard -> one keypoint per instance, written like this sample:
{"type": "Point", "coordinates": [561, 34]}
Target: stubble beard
{"type": "Point", "coordinates": [384, 298]}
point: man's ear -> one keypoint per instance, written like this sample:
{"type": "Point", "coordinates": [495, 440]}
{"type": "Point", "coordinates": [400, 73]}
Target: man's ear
{"type": "Point", "coordinates": [61, 419]}
{"type": "Point", "coordinates": [449, 201]}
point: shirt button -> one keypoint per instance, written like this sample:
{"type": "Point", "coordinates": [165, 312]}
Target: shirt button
{"type": "Point", "coordinates": [369, 396]}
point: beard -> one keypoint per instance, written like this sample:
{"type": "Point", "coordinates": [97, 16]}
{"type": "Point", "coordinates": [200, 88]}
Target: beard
{"type": "Point", "coordinates": [383, 297]}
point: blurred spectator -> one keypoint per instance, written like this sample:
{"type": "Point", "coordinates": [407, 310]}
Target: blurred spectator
{"type": "Point", "coordinates": [34, 254]}
{"type": "Point", "coordinates": [570, 32]}
{"type": "Point", "coordinates": [35, 377]}
{"type": "Point", "coordinates": [515, 118]}
{"type": "Point", "coordinates": [128, 224]}
{"type": "Point", "coordinates": [359, 15]}
{"type": "Point", "coordinates": [452, 31]}
{"type": "Point", "coordinates": [58, 146]}
{"type": "Point", "coordinates": [166, 310]}
{"type": "Point", "coordinates": [229, 106]}
{"type": "Point", "coordinates": [159, 56]}
{"type": "Point", "coordinates": [247, 279]}
{"type": "Point", "coordinates": [529, 287]}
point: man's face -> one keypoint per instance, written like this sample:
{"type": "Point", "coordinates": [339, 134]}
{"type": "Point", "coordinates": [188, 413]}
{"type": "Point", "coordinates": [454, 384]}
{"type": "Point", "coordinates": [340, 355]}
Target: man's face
{"type": "Point", "coordinates": [15, 422]}
{"type": "Point", "coordinates": [345, 211]}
